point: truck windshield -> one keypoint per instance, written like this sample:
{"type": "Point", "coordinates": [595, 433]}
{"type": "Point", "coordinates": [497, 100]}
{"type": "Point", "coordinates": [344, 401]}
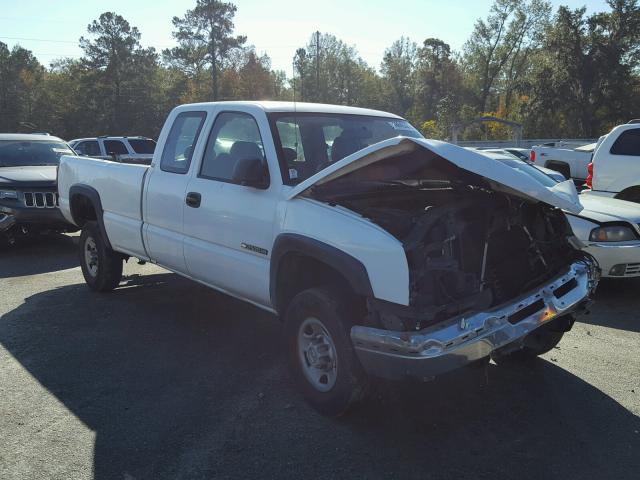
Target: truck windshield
{"type": "Point", "coordinates": [310, 142]}
{"type": "Point", "coordinates": [19, 153]}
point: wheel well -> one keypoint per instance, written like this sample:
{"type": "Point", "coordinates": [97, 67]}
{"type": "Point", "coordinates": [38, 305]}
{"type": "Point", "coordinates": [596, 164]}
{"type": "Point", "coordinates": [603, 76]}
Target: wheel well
{"type": "Point", "coordinates": [297, 272]}
{"type": "Point", "coordinates": [560, 167]}
{"type": "Point", "coordinates": [82, 209]}
{"type": "Point", "coordinates": [631, 194]}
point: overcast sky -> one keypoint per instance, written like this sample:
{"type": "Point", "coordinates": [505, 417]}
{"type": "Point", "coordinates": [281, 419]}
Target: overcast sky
{"type": "Point", "coordinates": [51, 28]}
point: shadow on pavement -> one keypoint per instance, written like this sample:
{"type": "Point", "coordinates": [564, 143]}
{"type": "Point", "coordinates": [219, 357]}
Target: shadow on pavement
{"type": "Point", "coordinates": [612, 305]}
{"type": "Point", "coordinates": [38, 254]}
{"type": "Point", "coordinates": [178, 381]}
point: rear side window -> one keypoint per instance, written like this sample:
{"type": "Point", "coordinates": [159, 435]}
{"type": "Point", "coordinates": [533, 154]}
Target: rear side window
{"type": "Point", "coordinates": [182, 139]}
{"type": "Point", "coordinates": [628, 143]}
{"type": "Point", "coordinates": [115, 147]}
{"type": "Point", "coordinates": [142, 145]}
{"type": "Point", "coordinates": [90, 148]}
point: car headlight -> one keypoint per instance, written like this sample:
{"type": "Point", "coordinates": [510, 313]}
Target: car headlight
{"type": "Point", "coordinates": [8, 194]}
{"type": "Point", "coordinates": [612, 234]}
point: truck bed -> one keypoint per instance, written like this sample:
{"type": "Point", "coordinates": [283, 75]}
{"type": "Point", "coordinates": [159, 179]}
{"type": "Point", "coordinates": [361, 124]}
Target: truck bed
{"type": "Point", "coordinates": [575, 159]}
{"type": "Point", "coordinates": [119, 186]}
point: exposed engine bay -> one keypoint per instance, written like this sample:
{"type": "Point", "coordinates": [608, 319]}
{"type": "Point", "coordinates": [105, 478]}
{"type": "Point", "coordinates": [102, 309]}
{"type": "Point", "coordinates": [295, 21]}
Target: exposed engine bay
{"type": "Point", "coordinates": [469, 247]}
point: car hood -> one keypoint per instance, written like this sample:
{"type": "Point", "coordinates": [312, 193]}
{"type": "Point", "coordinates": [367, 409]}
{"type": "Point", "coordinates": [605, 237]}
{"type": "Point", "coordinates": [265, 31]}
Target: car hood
{"type": "Point", "coordinates": [500, 176]}
{"type": "Point", "coordinates": [17, 176]}
{"type": "Point", "coordinates": [604, 209]}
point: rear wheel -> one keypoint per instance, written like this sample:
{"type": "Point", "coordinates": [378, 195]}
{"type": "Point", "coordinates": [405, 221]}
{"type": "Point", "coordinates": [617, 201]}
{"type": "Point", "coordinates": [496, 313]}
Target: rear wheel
{"type": "Point", "coordinates": [630, 195]}
{"type": "Point", "coordinates": [101, 266]}
{"type": "Point", "coordinates": [319, 350]}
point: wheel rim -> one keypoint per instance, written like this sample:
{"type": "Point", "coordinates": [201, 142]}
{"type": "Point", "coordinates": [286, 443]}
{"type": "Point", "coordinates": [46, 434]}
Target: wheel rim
{"type": "Point", "coordinates": [317, 354]}
{"type": "Point", "coordinates": [91, 256]}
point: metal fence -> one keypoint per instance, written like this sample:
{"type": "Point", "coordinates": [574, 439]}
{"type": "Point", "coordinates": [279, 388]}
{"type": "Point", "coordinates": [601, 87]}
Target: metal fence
{"type": "Point", "coordinates": [528, 142]}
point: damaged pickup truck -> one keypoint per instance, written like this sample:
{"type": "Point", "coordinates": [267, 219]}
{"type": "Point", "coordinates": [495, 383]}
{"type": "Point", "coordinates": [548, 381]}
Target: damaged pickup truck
{"type": "Point", "coordinates": [384, 253]}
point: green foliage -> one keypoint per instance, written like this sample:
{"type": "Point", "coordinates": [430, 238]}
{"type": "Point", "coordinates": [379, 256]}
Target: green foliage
{"type": "Point", "coordinates": [205, 38]}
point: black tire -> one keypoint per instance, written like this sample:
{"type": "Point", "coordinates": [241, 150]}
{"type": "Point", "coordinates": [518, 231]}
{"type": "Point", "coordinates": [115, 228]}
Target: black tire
{"type": "Point", "coordinates": [331, 309]}
{"type": "Point", "coordinates": [104, 275]}
{"type": "Point", "coordinates": [560, 168]}
{"type": "Point", "coordinates": [630, 195]}
{"type": "Point", "coordinates": [536, 343]}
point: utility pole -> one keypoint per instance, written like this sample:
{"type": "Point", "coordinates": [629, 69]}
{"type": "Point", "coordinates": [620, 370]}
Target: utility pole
{"type": "Point", "coordinates": [317, 66]}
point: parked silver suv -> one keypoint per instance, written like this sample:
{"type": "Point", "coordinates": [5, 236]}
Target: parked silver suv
{"type": "Point", "coordinates": [121, 149]}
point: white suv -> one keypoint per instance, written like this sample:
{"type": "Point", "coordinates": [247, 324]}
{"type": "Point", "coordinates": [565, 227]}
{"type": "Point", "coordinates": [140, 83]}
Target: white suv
{"type": "Point", "coordinates": [124, 149]}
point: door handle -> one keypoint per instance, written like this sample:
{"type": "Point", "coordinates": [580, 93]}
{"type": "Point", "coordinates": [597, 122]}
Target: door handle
{"type": "Point", "coordinates": [193, 199]}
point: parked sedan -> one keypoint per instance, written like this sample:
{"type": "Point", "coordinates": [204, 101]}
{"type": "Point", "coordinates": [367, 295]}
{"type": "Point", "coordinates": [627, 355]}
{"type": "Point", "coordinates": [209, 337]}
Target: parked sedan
{"type": "Point", "coordinates": [610, 230]}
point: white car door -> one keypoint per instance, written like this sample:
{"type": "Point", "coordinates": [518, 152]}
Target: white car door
{"type": "Point", "coordinates": [229, 227]}
{"type": "Point", "coordinates": [165, 192]}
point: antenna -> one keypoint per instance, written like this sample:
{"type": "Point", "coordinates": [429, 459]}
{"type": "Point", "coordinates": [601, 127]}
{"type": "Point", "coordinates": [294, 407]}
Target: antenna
{"type": "Point", "coordinates": [296, 129]}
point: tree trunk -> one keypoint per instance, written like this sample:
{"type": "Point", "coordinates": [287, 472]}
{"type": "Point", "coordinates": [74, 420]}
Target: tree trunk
{"type": "Point", "coordinates": [214, 76]}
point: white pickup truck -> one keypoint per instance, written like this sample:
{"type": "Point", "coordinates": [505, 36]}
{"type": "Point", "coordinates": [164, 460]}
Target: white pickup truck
{"type": "Point", "coordinates": [570, 162]}
{"type": "Point", "coordinates": [384, 253]}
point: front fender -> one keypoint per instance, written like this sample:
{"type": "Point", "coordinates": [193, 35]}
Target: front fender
{"type": "Point", "coordinates": [335, 228]}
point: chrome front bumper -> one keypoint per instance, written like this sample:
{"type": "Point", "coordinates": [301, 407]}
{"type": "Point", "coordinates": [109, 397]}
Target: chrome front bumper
{"type": "Point", "coordinates": [464, 339]}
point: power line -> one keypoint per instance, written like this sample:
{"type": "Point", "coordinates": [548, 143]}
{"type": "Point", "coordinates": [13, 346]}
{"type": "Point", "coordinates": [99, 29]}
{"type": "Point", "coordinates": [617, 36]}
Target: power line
{"type": "Point", "coordinates": [39, 40]}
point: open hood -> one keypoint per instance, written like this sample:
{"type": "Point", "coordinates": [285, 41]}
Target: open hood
{"type": "Point", "coordinates": [500, 176]}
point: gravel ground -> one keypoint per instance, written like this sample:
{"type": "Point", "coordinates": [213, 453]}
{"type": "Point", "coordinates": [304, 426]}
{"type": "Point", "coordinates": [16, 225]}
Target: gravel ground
{"type": "Point", "coordinates": [164, 378]}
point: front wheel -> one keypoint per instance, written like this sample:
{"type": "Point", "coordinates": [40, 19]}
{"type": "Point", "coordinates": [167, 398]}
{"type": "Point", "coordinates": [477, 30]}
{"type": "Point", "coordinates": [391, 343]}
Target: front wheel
{"type": "Point", "coordinates": [101, 266]}
{"type": "Point", "coordinates": [319, 350]}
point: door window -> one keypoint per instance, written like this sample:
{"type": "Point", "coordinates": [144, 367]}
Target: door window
{"type": "Point", "coordinates": [234, 137]}
{"type": "Point", "coordinates": [628, 143]}
{"type": "Point", "coordinates": [90, 148]}
{"type": "Point", "coordinates": [182, 139]}
{"type": "Point", "coordinates": [115, 147]}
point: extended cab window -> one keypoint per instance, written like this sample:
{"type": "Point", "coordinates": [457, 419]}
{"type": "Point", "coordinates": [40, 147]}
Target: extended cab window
{"type": "Point", "coordinates": [628, 143]}
{"type": "Point", "coordinates": [182, 139]}
{"type": "Point", "coordinates": [115, 147]}
{"type": "Point", "coordinates": [234, 137]}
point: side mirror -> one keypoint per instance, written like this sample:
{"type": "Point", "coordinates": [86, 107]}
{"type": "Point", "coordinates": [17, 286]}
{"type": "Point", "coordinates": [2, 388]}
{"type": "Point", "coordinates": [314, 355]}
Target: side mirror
{"type": "Point", "coordinates": [251, 172]}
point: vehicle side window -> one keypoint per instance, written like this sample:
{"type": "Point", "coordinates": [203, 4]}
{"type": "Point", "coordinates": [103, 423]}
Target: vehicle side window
{"type": "Point", "coordinates": [115, 147]}
{"type": "Point", "coordinates": [628, 143]}
{"type": "Point", "coordinates": [234, 137]}
{"type": "Point", "coordinates": [182, 139]}
{"type": "Point", "coordinates": [89, 148]}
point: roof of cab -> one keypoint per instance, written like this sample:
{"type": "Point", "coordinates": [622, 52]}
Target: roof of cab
{"type": "Point", "coordinates": [33, 137]}
{"type": "Point", "coordinates": [300, 107]}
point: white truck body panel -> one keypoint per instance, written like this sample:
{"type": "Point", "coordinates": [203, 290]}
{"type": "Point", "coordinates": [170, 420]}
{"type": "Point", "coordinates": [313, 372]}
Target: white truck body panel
{"type": "Point", "coordinates": [120, 189]}
{"type": "Point", "coordinates": [207, 244]}
{"type": "Point", "coordinates": [575, 159]}
{"type": "Point", "coordinates": [380, 252]}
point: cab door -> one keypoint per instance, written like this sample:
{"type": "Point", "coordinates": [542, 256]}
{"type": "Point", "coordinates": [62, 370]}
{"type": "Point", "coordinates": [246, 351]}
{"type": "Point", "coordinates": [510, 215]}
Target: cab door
{"type": "Point", "coordinates": [165, 191]}
{"type": "Point", "coordinates": [229, 230]}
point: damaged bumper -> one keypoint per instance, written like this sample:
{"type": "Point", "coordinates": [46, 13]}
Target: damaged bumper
{"type": "Point", "coordinates": [461, 340]}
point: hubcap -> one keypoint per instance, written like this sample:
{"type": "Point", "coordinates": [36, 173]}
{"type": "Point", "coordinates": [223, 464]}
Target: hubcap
{"type": "Point", "coordinates": [317, 354]}
{"type": "Point", "coordinates": [91, 256]}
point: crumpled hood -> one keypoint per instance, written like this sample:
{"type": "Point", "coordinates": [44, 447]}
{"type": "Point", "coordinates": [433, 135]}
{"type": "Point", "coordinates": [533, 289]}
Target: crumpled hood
{"type": "Point", "coordinates": [28, 175]}
{"type": "Point", "coordinates": [605, 209]}
{"type": "Point", "coordinates": [500, 176]}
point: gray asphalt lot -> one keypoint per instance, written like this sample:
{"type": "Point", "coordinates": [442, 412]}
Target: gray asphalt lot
{"type": "Point", "coordinates": [164, 378]}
